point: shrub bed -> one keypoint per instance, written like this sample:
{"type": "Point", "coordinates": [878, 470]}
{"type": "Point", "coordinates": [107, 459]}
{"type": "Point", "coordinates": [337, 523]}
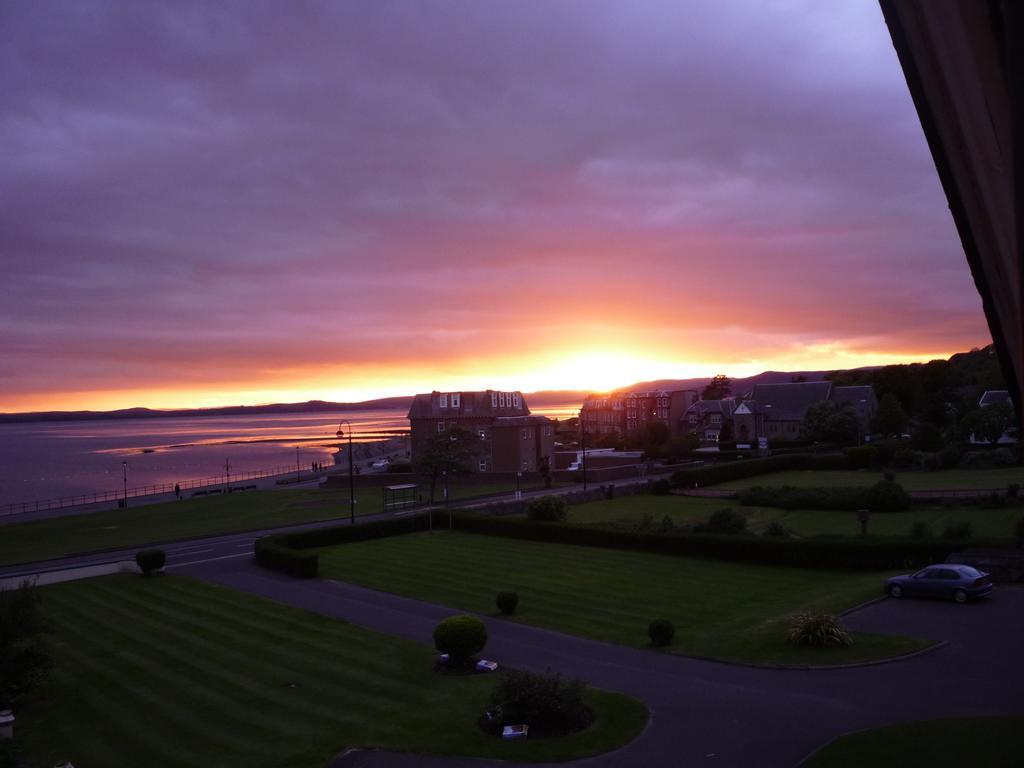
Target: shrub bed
{"type": "Point", "coordinates": [842, 553]}
{"type": "Point", "coordinates": [818, 631]}
{"type": "Point", "coordinates": [548, 508]}
{"type": "Point", "coordinates": [549, 704]}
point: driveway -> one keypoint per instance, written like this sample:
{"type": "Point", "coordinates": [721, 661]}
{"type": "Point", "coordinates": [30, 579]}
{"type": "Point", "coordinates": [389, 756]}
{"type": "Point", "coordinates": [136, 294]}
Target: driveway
{"type": "Point", "coordinates": [708, 713]}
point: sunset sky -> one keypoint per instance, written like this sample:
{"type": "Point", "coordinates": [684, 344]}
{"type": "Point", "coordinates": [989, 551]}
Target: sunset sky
{"type": "Point", "coordinates": [208, 204]}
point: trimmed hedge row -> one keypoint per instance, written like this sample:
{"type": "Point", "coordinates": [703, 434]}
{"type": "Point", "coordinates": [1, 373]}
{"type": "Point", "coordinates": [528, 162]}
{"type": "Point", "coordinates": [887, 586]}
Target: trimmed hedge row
{"type": "Point", "coordinates": [270, 553]}
{"type": "Point", "coordinates": [829, 553]}
{"type": "Point", "coordinates": [286, 552]}
{"type": "Point", "coordinates": [883, 496]}
{"type": "Point", "coordinates": [739, 470]}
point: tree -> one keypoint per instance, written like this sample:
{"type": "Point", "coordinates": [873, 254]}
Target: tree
{"type": "Point", "coordinates": [24, 658]}
{"type": "Point", "coordinates": [719, 387]}
{"type": "Point", "coordinates": [989, 423]}
{"type": "Point", "coordinates": [828, 422]}
{"type": "Point", "coordinates": [656, 434]}
{"type": "Point", "coordinates": [890, 418]}
{"type": "Point", "coordinates": [450, 451]}
{"type": "Point", "coordinates": [927, 437]}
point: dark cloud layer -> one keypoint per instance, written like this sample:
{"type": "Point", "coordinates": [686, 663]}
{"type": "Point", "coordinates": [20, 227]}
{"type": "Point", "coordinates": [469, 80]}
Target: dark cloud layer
{"type": "Point", "coordinates": [200, 192]}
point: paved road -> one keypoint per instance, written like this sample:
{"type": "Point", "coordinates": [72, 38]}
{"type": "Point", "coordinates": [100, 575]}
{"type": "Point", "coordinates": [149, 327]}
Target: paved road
{"type": "Point", "coordinates": [706, 713]}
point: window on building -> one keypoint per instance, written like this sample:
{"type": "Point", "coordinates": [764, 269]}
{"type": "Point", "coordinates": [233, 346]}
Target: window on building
{"type": "Point", "coordinates": [482, 433]}
{"type": "Point", "coordinates": [444, 401]}
{"type": "Point", "coordinates": [692, 418]}
{"type": "Point", "coordinates": [483, 465]}
{"type": "Point", "coordinates": [525, 464]}
{"type": "Point", "coordinates": [494, 399]}
{"type": "Point", "coordinates": [501, 399]}
{"type": "Point", "coordinates": [440, 426]}
{"type": "Point", "coordinates": [716, 418]}
{"type": "Point", "coordinates": [515, 399]}
{"type": "Point", "coordinates": [455, 399]}
{"type": "Point", "coordinates": [526, 433]}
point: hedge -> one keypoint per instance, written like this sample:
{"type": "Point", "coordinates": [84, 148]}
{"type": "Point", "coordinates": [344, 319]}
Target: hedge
{"type": "Point", "coordinates": [270, 553]}
{"type": "Point", "coordinates": [285, 551]}
{"type": "Point", "coordinates": [830, 553]}
{"type": "Point", "coordinates": [738, 470]}
{"type": "Point", "coordinates": [883, 496]}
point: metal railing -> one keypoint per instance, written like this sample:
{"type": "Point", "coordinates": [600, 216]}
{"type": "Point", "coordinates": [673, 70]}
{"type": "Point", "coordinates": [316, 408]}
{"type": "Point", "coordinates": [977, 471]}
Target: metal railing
{"type": "Point", "coordinates": [78, 500]}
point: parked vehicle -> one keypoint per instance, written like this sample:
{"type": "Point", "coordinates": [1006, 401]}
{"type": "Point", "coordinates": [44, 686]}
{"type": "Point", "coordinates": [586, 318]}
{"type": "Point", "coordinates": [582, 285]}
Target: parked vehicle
{"type": "Point", "coordinates": [947, 580]}
{"type": "Point", "coordinates": [381, 464]}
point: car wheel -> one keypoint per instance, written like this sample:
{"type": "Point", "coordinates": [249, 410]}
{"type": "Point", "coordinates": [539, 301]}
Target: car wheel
{"type": "Point", "coordinates": [895, 590]}
{"type": "Point", "coordinates": [960, 596]}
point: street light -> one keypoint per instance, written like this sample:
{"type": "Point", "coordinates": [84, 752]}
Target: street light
{"type": "Point", "coordinates": [583, 447]}
{"type": "Point", "coordinates": [297, 473]}
{"type": "Point", "coordinates": [124, 472]}
{"type": "Point", "coordinates": [351, 479]}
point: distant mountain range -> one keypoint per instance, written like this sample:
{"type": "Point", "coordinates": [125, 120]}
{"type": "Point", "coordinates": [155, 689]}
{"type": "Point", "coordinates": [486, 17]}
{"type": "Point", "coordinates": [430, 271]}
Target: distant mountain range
{"type": "Point", "coordinates": [535, 399]}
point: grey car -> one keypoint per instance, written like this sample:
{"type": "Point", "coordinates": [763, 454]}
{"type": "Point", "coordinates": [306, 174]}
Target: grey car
{"type": "Point", "coordinates": [948, 580]}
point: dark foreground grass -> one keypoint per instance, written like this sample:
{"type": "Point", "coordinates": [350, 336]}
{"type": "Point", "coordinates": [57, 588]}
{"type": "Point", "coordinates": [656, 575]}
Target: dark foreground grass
{"type": "Point", "coordinates": [168, 671]}
{"type": "Point", "coordinates": [729, 611]}
{"type": "Point", "coordinates": [992, 742]}
{"type": "Point", "coordinates": [993, 523]}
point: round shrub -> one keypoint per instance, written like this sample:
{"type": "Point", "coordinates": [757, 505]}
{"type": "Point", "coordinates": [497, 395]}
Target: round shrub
{"type": "Point", "coordinates": [549, 704]}
{"type": "Point", "coordinates": [661, 487]}
{"type": "Point", "coordinates": [818, 631]}
{"type": "Point", "coordinates": [957, 531]}
{"type": "Point", "coordinates": [661, 632]}
{"type": "Point", "coordinates": [775, 528]}
{"type": "Point", "coordinates": [724, 521]}
{"type": "Point", "coordinates": [949, 457]}
{"type": "Point", "coordinates": [887, 496]}
{"type": "Point", "coordinates": [507, 602]}
{"type": "Point", "coordinates": [150, 560]}
{"type": "Point", "coordinates": [921, 530]}
{"type": "Point", "coordinates": [461, 637]}
{"type": "Point", "coordinates": [551, 509]}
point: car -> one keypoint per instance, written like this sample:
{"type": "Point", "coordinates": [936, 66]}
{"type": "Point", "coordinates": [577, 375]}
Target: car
{"type": "Point", "coordinates": [949, 580]}
{"type": "Point", "coordinates": [381, 464]}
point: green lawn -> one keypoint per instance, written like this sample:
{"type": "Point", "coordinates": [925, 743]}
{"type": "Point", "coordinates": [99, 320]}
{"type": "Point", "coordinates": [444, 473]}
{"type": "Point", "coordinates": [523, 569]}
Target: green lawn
{"type": "Point", "coordinates": [992, 742]}
{"type": "Point", "coordinates": [996, 523]}
{"type": "Point", "coordinates": [723, 610]}
{"type": "Point", "coordinates": [144, 524]}
{"type": "Point", "coordinates": [948, 479]}
{"type": "Point", "coordinates": [173, 672]}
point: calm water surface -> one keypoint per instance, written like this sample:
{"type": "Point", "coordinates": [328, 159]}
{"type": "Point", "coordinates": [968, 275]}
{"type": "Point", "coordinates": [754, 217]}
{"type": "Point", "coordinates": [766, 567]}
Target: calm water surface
{"type": "Point", "coordinates": [47, 460]}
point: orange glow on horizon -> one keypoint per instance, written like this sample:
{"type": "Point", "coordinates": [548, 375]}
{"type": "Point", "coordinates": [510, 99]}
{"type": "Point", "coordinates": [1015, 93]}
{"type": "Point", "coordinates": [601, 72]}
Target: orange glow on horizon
{"type": "Point", "coordinates": [591, 370]}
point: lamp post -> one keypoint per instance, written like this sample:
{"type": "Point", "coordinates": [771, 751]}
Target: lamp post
{"type": "Point", "coordinates": [860, 421]}
{"type": "Point", "coordinates": [583, 447]}
{"type": "Point", "coordinates": [124, 473]}
{"type": "Point", "coordinates": [351, 478]}
{"type": "Point", "coordinates": [227, 475]}
{"type": "Point", "coordinates": [297, 472]}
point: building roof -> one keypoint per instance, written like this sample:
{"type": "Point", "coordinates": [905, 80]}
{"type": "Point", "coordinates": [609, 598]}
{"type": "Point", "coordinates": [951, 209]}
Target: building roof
{"type": "Point", "coordinates": [853, 395]}
{"type": "Point", "coordinates": [993, 396]}
{"type": "Point", "coordinates": [703, 407]}
{"type": "Point", "coordinates": [790, 401]}
{"type": "Point", "coordinates": [471, 405]}
{"type": "Point", "coordinates": [519, 421]}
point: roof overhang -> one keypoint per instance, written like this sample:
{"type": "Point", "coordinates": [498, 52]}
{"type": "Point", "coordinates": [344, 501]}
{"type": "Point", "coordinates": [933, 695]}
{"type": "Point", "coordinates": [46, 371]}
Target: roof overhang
{"type": "Point", "coordinates": [964, 65]}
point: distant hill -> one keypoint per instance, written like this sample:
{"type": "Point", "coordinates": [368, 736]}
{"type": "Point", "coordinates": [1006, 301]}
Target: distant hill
{"type": "Point", "coordinates": [739, 386]}
{"type": "Point", "coordinates": [972, 371]}
{"type": "Point", "coordinates": [311, 406]}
